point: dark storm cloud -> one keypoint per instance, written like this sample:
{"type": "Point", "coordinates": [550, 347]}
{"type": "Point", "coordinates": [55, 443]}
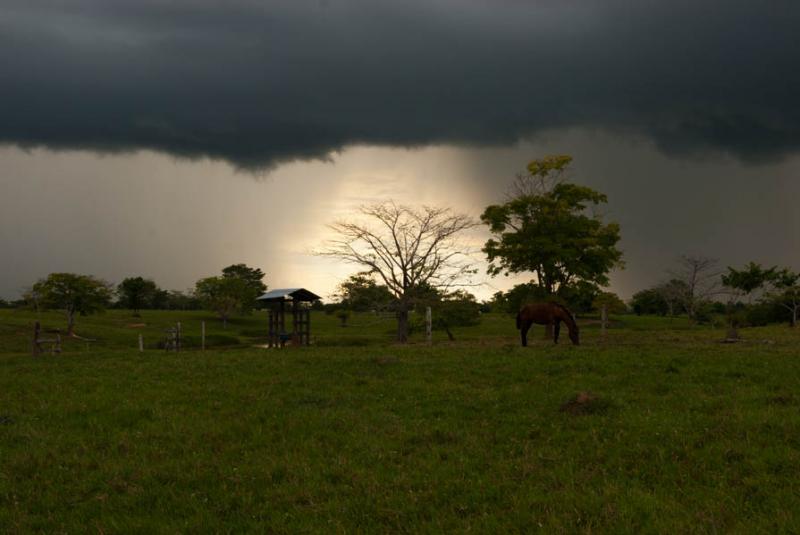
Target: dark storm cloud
{"type": "Point", "coordinates": [257, 83]}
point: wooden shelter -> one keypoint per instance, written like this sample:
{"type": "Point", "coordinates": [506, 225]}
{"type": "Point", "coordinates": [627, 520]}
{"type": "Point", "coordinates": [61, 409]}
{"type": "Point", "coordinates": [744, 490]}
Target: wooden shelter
{"type": "Point", "coordinates": [298, 302]}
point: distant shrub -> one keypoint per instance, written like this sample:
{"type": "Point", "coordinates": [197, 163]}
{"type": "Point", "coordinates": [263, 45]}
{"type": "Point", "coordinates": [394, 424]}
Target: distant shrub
{"type": "Point", "coordinates": [710, 312]}
{"type": "Point", "coordinates": [761, 314]}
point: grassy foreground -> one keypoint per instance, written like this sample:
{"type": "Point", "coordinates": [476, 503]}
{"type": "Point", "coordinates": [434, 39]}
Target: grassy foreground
{"type": "Point", "coordinates": [683, 434]}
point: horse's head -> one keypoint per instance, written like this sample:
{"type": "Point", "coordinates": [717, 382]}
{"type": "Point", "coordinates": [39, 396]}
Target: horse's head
{"type": "Point", "coordinates": [574, 336]}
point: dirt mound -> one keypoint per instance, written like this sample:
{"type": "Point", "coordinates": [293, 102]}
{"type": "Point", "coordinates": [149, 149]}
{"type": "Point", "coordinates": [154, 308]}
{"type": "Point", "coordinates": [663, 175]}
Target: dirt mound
{"type": "Point", "coordinates": [585, 403]}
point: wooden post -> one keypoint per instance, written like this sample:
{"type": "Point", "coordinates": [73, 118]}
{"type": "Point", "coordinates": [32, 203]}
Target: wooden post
{"type": "Point", "coordinates": [35, 346]}
{"type": "Point", "coordinates": [141, 343]}
{"type": "Point", "coordinates": [271, 332]}
{"type": "Point", "coordinates": [603, 320]}
{"type": "Point", "coordinates": [178, 337]}
{"type": "Point", "coordinates": [282, 321]}
{"type": "Point", "coordinates": [308, 326]}
{"type": "Point", "coordinates": [296, 336]}
{"type": "Point", "coordinates": [428, 325]}
{"type": "Point", "coordinates": [57, 346]}
{"type": "Point", "coordinates": [202, 335]}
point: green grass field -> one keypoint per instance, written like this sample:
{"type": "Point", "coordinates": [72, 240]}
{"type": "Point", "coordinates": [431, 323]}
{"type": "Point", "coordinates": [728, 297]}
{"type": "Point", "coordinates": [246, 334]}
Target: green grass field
{"type": "Point", "coordinates": [356, 434]}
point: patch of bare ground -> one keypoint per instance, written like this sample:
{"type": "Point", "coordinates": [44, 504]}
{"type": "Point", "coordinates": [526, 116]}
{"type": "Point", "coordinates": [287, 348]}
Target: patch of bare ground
{"type": "Point", "coordinates": [584, 403]}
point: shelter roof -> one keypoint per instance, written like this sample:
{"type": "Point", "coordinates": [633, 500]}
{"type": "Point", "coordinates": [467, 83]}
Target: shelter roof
{"type": "Point", "coordinates": [293, 294]}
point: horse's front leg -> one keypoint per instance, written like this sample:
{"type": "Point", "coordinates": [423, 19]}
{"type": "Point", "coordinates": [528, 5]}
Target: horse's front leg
{"type": "Point", "coordinates": [523, 333]}
{"type": "Point", "coordinates": [556, 330]}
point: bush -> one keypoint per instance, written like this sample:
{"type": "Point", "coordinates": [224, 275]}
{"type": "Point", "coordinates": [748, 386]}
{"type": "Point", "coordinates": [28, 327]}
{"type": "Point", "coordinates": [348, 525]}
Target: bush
{"type": "Point", "coordinates": [762, 314]}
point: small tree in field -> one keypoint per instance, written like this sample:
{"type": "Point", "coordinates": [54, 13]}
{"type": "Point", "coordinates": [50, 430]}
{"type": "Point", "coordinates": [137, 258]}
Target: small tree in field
{"type": "Point", "coordinates": [785, 291]}
{"type": "Point", "coordinates": [360, 293]}
{"type": "Point", "coordinates": [649, 301]}
{"type": "Point", "coordinates": [223, 295]}
{"type": "Point", "coordinates": [405, 248]}
{"type": "Point", "coordinates": [742, 283]}
{"type": "Point", "coordinates": [252, 278]}
{"type": "Point", "coordinates": [136, 293]}
{"type": "Point", "coordinates": [455, 309]}
{"type": "Point", "coordinates": [612, 302]}
{"type": "Point", "coordinates": [74, 294]}
{"type": "Point", "coordinates": [674, 294]}
{"type": "Point", "coordinates": [695, 282]}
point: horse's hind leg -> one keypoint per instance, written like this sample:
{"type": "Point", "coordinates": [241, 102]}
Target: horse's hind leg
{"type": "Point", "coordinates": [523, 332]}
{"type": "Point", "coordinates": [556, 330]}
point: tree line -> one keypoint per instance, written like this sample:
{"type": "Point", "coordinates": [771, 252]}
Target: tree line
{"type": "Point", "coordinates": [234, 291]}
{"type": "Point", "coordinates": [408, 259]}
{"type": "Point", "coordinates": [749, 295]}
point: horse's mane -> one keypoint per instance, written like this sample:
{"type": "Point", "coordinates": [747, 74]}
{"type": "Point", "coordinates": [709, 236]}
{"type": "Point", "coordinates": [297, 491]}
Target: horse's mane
{"type": "Point", "coordinates": [566, 310]}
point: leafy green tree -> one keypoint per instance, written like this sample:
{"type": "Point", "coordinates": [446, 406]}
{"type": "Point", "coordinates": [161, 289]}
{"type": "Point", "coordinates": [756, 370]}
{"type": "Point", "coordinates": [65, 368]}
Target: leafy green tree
{"type": "Point", "coordinates": [548, 228]}
{"type": "Point", "coordinates": [742, 283]}
{"type": "Point", "coordinates": [253, 279]}
{"type": "Point", "coordinates": [160, 299]}
{"type": "Point", "coordinates": [578, 297]}
{"type": "Point", "coordinates": [612, 302]}
{"type": "Point", "coordinates": [498, 302]}
{"type": "Point", "coordinates": [360, 293]}
{"type": "Point", "coordinates": [649, 301]}
{"type": "Point", "coordinates": [74, 294]}
{"type": "Point", "coordinates": [786, 292]}
{"type": "Point", "coordinates": [223, 295]}
{"type": "Point", "coordinates": [455, 309]}
{"type": "Point", "coordinates": [178, 300]}
{"type": "Point", "coordinates": [136, 293]}
{"type": "Point", "coordinates": [521, 294]}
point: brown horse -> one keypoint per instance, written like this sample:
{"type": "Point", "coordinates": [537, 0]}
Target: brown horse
{"type": "Point", "coordinates": [546, 314]}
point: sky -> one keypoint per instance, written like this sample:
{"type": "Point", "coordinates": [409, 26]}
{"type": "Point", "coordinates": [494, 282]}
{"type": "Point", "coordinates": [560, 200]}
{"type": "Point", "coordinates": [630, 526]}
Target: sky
{"type": "Point", "coordinates": [171, 139]}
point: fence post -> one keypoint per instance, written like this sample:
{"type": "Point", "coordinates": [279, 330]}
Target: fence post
{"type": "Point", "coordinates": [141, 343]}
{"type": "Point", "coordinates": [603, 320]}
{"type": "Point", "coordinates": [428, 325]}
{"type": "Point", "coordinates": [178, 337]}
{"type": "Point", "coordinates": [36, 328]}
{"type": "Point", "coordinates": [203, 335]}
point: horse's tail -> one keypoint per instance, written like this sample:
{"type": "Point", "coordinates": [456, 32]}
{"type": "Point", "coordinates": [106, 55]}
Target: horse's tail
{"type": "Point", "coordinates": [519, 320]}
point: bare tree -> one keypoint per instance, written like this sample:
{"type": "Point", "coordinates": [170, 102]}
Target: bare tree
{"type": "Point", "coordinates": [672, 292]}
{"type": "Point", "coordinates": [700, 278]}
{"type": "Point", "coordinates": [408, 249]}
